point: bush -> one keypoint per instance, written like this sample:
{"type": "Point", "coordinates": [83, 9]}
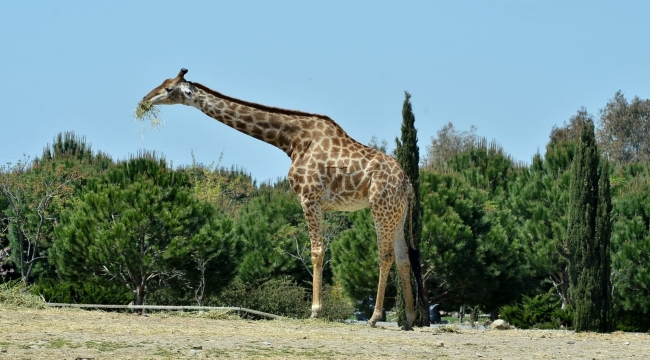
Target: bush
{"type": "Point", "coordinates": [86, 293]}
{"type": "Point", "coordinates": [169, 296]}
{"type": "Point", "coordinates": [277, 296]}
{"type": "Point", "coordinates": [539, 312]}
{"type": "Point", "coordinates": [632, 321]}
{"type": "Point", "coordinates": [336, 306]}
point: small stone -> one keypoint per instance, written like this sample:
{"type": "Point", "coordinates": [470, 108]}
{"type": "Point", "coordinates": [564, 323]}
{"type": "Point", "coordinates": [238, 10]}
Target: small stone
{"type": "Point", "coordinates": [197, 347]}
{"type": "Point", "coordinates": [543, 337]}
{"type": "Point", "coordinates": [193, 352]}
{"type": "Point", "coordinates": [570, 342]}
{"type": "Point", "coordinates": [440, 344]}
{"type": "Point", "coordinates": [479, 354]}
{"type": "Point", "coordinates": [266, 343]}
{"type": "Point", "coordinates": [627, 343]}
{"type": "Point", "coordinates": [499, 324]}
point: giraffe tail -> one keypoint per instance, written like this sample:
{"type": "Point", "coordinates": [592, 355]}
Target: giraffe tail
{"type": "Point", "coordinates": [414, 253]}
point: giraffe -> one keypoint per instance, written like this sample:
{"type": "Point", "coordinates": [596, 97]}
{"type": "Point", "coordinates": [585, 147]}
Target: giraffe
{"type": "Point", "coordinates": [329, 171]}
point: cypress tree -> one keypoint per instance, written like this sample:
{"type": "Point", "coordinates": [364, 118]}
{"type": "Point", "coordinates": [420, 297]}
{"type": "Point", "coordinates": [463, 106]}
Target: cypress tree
{"type": "Point", "coordinates": [408, 155]}
{"type": "Point", "coordinates": [588, 244]}
{"type": "Point", "coordinates": [603, 236]}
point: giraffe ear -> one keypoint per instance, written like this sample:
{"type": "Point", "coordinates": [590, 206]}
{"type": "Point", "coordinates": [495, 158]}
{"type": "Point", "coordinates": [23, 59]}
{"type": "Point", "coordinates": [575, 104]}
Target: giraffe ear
{"type": "Point", "coordinates": [187, 89]}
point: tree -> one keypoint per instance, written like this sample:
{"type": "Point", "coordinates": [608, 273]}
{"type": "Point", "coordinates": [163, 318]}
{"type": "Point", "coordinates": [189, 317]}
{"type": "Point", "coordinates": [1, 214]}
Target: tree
{"type": "Point", "coordinates": [354, 257]}
{"type": "Point", "coordinates": [624, 130]}
{"type": "Point", "coordinates": [227, 189]}
{"type": "Point", "coordinates": [130, 226]}
{"type": "Point", "coordinates": [603, 264]}
{"type": "Point", "coordinates": [208, 259]}
{"type": "Point", "coordinates": [378, 145]}
{"type": "Point", "coordinates": [539, 200]}
{"type": "Point", "coordinates": [470, 247]}
{"type": "Point", "coordinates": [630, 246]}
{"type": "Point", "coordinates": [276, 235]}
{"type": "Point", "coordinates": [586, 265]}
{"type": "Point", "coordinates": [35, 195]}
{"type": "Point", "coordinates": [469, 236]}
{"type": "Point", "coordinates": [448, 143]}
{"type": "Point", "coordinates": [408, 156]}
{"type": "Point", "coordinates": [36, 191]}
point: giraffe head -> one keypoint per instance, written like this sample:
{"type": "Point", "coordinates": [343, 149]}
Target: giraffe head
{"type": "Point", "coordinates": [172, 91]}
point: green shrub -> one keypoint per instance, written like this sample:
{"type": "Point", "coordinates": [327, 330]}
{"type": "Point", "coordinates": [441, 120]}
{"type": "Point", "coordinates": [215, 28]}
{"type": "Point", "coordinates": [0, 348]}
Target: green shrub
{"type": "Point", "coordinates": [538, 312]}
{"type": "Point", "coordinates": [277, 296]}
{"type": "Point", "coordinates": [170, 296]}
{"type": "Point", "coordinates": [87, 293]}
{"type": "Point", "coordinates": [632, 321]}
{"type": "Point", "coordinates": [336, 306]}
{"type": "Point", "coordinates": [54, 291]}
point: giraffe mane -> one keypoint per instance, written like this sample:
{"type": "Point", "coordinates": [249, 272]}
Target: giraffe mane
{"type": "Point", "coordinates": [260, 106]}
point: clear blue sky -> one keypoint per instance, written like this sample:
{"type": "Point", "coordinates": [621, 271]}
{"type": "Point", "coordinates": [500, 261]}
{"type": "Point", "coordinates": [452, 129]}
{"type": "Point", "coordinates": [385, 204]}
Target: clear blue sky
{"type": "Point", "coordinates": [511, 68]}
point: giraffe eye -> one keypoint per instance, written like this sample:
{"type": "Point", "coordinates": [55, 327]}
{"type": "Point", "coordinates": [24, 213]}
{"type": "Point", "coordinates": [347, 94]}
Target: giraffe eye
{"type": "Point", "coordinates": [169, 89]}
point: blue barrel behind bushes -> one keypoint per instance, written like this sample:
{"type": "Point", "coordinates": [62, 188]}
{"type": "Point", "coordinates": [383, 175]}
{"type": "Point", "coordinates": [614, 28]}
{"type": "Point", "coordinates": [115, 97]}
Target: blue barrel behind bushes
{"type": "Point", "coordinates": [434, 314]}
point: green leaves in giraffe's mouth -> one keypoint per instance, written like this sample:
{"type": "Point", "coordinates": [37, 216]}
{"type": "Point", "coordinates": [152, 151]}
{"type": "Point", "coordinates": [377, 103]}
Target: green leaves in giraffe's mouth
{"type": "Point", "coordinates": [148, 112]}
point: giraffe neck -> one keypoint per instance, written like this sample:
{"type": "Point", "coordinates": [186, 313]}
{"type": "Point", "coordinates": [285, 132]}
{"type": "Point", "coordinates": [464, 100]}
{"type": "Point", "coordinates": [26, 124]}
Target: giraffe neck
{"type": "Point", "coordinates": [278, 127]}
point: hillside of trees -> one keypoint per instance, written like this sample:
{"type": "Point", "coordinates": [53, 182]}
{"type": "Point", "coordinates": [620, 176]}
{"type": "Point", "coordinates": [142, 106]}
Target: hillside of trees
{"type": "Point", "coordinates": [83, 227]}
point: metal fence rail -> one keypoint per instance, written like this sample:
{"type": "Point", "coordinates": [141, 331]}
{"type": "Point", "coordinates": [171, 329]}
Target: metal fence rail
{"type": "Point", "coordinates": [165, 307]}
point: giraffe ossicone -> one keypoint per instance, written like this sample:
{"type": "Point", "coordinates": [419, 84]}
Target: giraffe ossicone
{"type": "Point", "coordinates": [329, 171]}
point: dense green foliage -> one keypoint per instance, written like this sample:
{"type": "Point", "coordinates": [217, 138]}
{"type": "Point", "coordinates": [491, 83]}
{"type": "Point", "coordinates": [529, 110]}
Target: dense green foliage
{"type": "Point", "coordinates": [279, 296]}
{"type": "Point", "coordinates": [631, 247]}
{"type": "Point", "coordinates": [138, 226]}
{"type": "Point", "coordinates": [276, 239]}
{"type": "Point", "coordinates": [543, 311]}
{"type": "Point", "coordinates": [355, 257]}
{"type": "Point", "coordinates": [91, 292]}
{"type": "Point", "coordinates": [470, 245]}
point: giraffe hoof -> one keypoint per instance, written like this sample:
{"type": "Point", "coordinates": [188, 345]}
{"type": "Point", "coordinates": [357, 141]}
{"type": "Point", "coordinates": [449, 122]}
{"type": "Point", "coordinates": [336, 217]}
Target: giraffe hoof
{"type": "Point", "coordinates": [406, 328]}
{"type": "Point", "coordinates": [315, 312]}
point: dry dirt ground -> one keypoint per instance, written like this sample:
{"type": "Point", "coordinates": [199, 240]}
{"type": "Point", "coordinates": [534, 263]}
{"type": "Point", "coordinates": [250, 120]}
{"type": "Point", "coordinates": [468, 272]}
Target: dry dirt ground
{"type": "Point", "coordinates": [80, 334]}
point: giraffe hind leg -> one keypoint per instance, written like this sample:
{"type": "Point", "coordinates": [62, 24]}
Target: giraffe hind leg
{"type": "Point", "coordinates": [391, 246]}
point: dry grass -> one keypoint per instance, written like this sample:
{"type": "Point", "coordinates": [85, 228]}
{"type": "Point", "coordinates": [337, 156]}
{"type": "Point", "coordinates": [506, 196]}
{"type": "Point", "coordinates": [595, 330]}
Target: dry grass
{"type": "Point", "coordinates": [14, 294]}
{"type": "Point", "coordinates": [71, 333]}
{"type": "Point", "coordinates": [147, 112]}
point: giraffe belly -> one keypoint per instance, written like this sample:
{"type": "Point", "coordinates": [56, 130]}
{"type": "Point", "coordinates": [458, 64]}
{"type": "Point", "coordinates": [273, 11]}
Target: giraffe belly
{"type": "Point", "coordinates": [344, 205]}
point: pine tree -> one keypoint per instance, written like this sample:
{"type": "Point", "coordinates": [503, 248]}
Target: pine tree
{"type": "Point", "coordinates": [588, 243]}
{"type": "Point", "coordinates": [138, 226]}
{"type": "Point", "coordinates": [408, 155]}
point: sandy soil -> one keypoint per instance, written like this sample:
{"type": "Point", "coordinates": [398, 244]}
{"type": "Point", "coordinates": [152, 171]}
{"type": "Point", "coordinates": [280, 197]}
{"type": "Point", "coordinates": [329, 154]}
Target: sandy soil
{"type": "Point", "coordinates": [80, 334]}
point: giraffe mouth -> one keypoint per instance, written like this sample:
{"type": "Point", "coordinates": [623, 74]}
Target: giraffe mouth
{"type": "Point", "coordinates": [156, 99]}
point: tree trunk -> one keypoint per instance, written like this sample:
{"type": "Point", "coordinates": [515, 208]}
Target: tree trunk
{"type": "Point", "coordinates": [140, 293]}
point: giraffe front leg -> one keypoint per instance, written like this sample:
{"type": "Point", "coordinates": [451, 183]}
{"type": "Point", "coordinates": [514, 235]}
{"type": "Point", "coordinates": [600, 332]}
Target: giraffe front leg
{"type": "Point", "coordinates": [385, 262]}
{"type": "Point", "coordinates": [314, 216]}
{"type": "Point", "coordinates": [317, 302]}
